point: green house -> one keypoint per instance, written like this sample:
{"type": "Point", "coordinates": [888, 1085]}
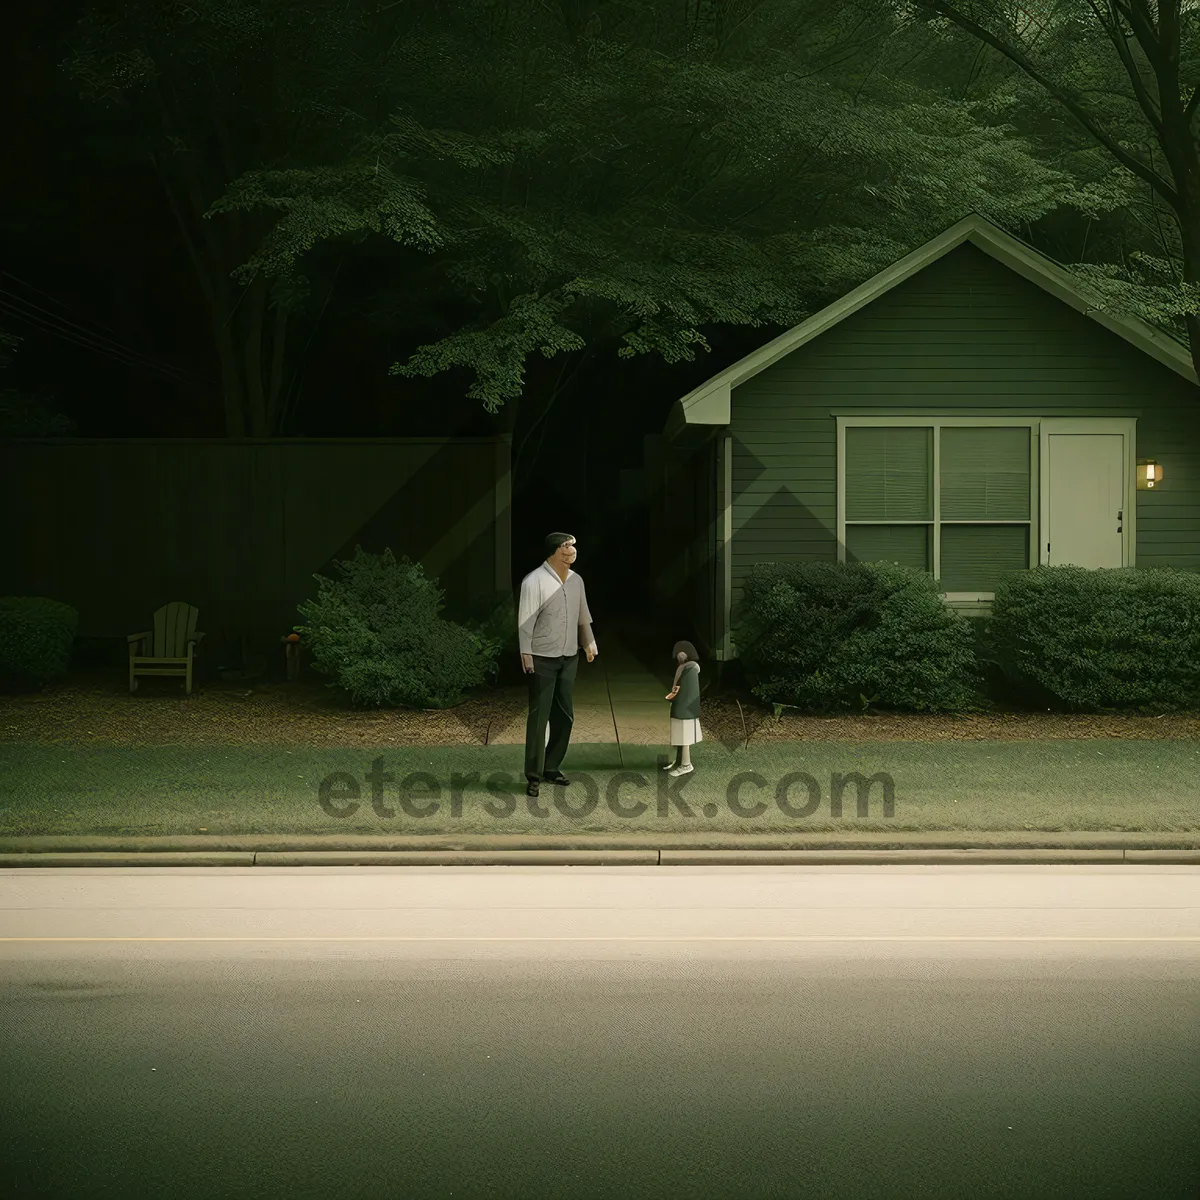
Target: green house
{"type": "Point", "coordinates": [967, 411]}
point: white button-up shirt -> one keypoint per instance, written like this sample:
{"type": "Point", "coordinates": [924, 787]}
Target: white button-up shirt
{"type": "Point", "coordinates": [553, 617]}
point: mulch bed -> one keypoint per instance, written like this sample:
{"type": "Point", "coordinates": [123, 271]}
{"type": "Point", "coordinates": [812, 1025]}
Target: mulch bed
{"type": "Point", "coordinates": [95, 708]}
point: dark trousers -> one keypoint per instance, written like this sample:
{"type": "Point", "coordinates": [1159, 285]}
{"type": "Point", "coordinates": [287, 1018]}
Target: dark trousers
{"type": "Point", "coordinates": [550, 688]}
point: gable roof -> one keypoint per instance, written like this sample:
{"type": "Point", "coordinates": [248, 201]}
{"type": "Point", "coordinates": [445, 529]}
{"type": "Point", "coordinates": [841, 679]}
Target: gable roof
{"type": "Point", "coordinates": [708, 404]}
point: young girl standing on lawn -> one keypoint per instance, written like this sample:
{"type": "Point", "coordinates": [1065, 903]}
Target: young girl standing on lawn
{"type": "Point", "coordinates": [685, 707]}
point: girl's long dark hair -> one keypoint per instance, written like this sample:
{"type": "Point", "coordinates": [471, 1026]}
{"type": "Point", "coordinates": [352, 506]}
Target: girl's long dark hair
{"type": "Point", "coordinates": [685, 648]}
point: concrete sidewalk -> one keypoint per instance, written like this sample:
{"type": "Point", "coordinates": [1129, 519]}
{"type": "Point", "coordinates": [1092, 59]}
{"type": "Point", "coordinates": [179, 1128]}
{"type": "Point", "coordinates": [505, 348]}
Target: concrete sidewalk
{"type": "Point", "coordinates": [620, 696]}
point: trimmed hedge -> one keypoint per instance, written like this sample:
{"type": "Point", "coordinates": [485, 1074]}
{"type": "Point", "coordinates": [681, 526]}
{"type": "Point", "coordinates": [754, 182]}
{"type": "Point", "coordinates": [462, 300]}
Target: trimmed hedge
{"type": "Point", "coordinates": [1101, 640]}
{"type": "Point", "coordinates": [378, 632]}
{"type": "Point", "coordinates": [833, 636]}
{"type": "Point", "coordinates": [36, 636]}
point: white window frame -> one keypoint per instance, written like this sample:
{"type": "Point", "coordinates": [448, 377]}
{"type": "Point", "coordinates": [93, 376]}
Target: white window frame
{"type": "Point", "coordinates": [1033, 424]}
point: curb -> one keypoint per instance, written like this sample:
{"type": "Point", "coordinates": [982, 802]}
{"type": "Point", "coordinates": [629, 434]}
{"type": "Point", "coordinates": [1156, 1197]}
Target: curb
{"type": "Point", "coordinates": [869, 847]}
{"type": "Point", "coordinates": [598, 857]}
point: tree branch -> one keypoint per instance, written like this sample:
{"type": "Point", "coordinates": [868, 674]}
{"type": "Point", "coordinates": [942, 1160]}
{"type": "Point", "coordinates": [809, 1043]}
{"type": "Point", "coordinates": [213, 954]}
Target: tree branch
{"type": "Point", "coordinates": [1127, 160]}
{"type": "Point", "coordinates": [274, 398]}
{"type": "Point", "coordinates": [197, 259]}
{"type": "Point", "coordinates": [520, 461]}
{"type": "Point", "coordinates": [295, 384]}
{"type": "Point", "coordinates": [1116, 35]}
{"type": "Point", "coordinates": [252, 348]}
{"type": "Point", "coordinates": [1166, 67]}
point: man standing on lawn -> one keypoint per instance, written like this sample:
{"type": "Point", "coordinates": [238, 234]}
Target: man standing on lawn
{"type": "Point", "coordinates": [552, 620]}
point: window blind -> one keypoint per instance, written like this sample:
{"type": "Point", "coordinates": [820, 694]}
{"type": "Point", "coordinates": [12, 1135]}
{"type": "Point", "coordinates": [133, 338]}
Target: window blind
{"type": "Point", "coordinates": [889, 473]}
{"type": "Point", "coordinates": [974, 557]}
{"type": "Point", "coordinates": [908, 545]}
{"type": "Point", "coordinates": [984, 473]}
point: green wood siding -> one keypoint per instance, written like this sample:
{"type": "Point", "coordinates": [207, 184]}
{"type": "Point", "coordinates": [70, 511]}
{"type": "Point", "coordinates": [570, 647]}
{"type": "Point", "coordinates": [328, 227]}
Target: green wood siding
{"type": "Point", "coordinates": [964, 337]}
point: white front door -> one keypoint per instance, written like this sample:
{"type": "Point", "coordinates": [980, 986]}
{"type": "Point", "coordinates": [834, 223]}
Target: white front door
{"type": "Point", "coordinates": [1084, 478]}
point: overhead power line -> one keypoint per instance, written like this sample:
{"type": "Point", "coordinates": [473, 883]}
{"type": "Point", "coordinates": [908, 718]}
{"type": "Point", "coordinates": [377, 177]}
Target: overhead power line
{"type": "Point", "coordinates": [21, 309]}
{"type": "Point", "coordinates": [55, 301]}
{"type": "Point", "coordinates": [22, 315]}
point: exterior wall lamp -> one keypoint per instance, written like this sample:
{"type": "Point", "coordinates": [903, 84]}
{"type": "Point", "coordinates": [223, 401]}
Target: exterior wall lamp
{"type": "Point", "coordinates": [1149, 474]}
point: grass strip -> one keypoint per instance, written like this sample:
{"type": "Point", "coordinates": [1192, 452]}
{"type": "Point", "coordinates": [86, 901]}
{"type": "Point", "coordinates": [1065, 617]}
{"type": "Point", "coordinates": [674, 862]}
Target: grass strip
{"type": "Point", "coordinates": [1066, 785]}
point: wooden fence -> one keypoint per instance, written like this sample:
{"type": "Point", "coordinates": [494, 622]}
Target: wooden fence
{"type": "Point", "coordinates": [119, 527]}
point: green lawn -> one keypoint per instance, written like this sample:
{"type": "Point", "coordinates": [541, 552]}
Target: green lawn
{"type": "Point", "coordinates": [1101, 785]}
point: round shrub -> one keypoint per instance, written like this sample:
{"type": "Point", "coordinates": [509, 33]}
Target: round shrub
{"type": "Point", "coordinates": [378, 632]}
{"type": "Point", "coordinates": [494, 617]}
{"type": "Point", "coordinates": [792, 615]}
{"type": "Point", "coordinates": [834, 636]}
{"type": "Point", "coordinates": [1124, 638]}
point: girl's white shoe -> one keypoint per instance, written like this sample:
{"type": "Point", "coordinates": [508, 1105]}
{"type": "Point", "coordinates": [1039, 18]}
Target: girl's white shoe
{"type": "Point", "coordinates": [670, 766]}
{"type": "Point", "coordinates": [681, 770]}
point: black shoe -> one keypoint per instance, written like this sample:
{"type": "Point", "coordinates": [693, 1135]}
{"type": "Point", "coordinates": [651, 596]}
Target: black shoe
{"type": "Point", "coordinates": [531, 787]}
{"type": "Point", "coordinates": [556, 777]}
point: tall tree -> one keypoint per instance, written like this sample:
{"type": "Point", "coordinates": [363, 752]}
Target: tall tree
{"type": "Point", "coordinates": [1125, 74]}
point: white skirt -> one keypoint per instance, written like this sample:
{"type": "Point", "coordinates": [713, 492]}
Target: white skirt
{"type": "Point", "coordinates": [685, 733]}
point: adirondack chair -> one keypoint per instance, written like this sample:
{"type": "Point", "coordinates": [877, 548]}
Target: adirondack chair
{"type": "Point", "coordinates": [169, 649]}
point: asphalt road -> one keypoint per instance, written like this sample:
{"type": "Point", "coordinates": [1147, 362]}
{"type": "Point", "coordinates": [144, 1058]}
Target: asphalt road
{"type": "Point", "coordinates": [852, 1032]}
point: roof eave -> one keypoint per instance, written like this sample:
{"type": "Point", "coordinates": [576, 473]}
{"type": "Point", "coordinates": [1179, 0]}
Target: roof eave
{"type": "Point", "coordinates": [709, 404]}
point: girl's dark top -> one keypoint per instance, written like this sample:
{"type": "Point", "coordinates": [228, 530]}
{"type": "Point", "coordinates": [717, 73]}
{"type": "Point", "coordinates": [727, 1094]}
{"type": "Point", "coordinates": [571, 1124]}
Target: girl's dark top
{"type": "Point", "coordinates": [686, 705]}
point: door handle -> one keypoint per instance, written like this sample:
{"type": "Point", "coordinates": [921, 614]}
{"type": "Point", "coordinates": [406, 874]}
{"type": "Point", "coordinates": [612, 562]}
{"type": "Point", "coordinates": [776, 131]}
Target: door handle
{"type": "Point", "coordinates": [1120, 520]}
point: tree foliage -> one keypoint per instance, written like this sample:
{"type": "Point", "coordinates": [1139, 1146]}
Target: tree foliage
{"type": "Point", "coordinates": [1115, 85]}
{"type": "Point", "coordinates": [631, 176]}
{"type": "Point", "coordinates": [582, 175]}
